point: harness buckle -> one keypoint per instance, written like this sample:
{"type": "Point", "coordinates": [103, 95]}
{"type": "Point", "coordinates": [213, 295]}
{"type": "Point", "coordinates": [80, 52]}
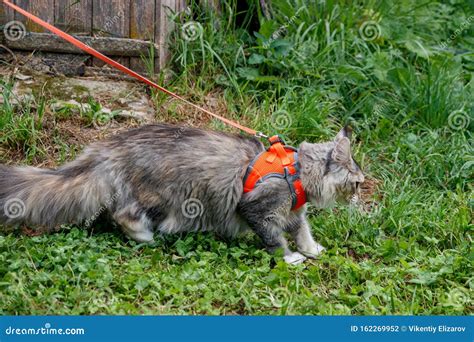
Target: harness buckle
{"type": "Point", "coordinates": [261, 135]}
{"type": "Point", "coordinates": [276, 139]}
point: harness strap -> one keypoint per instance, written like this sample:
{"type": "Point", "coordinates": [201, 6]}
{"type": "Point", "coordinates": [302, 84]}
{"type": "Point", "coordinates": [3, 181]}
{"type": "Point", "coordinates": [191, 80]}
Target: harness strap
{"type": "Point", "coordinates": [280, 151]}
{"type": "Point", "coordinates": [277, 148]}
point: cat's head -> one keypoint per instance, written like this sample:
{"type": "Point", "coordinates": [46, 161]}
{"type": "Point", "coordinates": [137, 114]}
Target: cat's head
{"type": "Point", "coordinates": [328, 172]}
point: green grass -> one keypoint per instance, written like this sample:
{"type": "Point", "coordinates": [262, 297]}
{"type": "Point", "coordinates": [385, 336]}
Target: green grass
{"type": "Point", "coordinates": [402, 91]}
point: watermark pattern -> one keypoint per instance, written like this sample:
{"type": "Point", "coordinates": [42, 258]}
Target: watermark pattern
{"type": "Point", "coordinates": [14, 30]}
{"type": "Point", "coordinates": [464, 25]}
{"type": "Point", "coordinates": [191, 31]}
{"type": "Point", "coordinates": [281, 119]}
{"type": "Point", "coordinates": [192, 208]}
{"type": "Point", "coordinates": [102, 209]}
{"type": "Point", "coordinates": [109, 24]}
{"type": "Point", "coordinates": [459, 120]}
{"type": "Point", "coordinates": [179, 133]}
{"type": "Point", "coordinates": [14, 208]}
{"type": "Point", "coordinates": [281, 30]}
{"type": "Point", "coordinates": [380, 109]}
{"type": "Point", "coordinates": [456, 298]}
{"type": "Point", "coordinates": [269, 219]}
{"type": "Point", "coordinates": [369, 30]}
{"type": "Point", "coordinates": [46, 330]}
{"type": "Point", "coordinates": [75, 21]}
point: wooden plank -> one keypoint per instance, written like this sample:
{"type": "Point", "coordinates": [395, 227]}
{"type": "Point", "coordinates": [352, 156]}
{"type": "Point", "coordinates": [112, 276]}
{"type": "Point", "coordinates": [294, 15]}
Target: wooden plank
{"type": "Point", "coordinates": [41, 8]}
{"type": "Point", "coordinates": [162, 9]}
{"type": "Point", "coordinates": [74, 16]}
{"type": "Point", "coordinates": [18, 16]}
{"type": "Point", "coordinates": [6, 14]}
{"type": "Point", "coordinates": [142, 19]}
{"type": "Point", "coordinates": [109, 46]}
{"type": "Point", "coordinates": [164, 25]}
{"type": "Point", "coordinates": [111, 18]}
{"type": "Point", "coordinates": [142, 26]}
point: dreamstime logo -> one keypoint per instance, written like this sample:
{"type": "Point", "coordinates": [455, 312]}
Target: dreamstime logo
{"type": "Point", "coordinates": [269, 219]}
{"type": "Point", "coordinates": [192, 208]}
{"type": "Point", "coordinates": [369, 30]}
{"type": "Point", "coordinates": [102, 119]}
{"type": "Point", "coordinates": [464, 25]}
{"type": "Point", "coordinates": [14, 208]}
{"type": "Point", "coordinates": [108, 203]}
{"type": "Point", "coordinates": [14, 30]}
{"type": "Point", "coordinates": [282, 30]}
{"type": "Point", "coordinates": [281, 120]}
{"type": "Point", "coordinates": [46, 330]}
{"type": "Point", "coordinates": [191, 31]}
{"type": "Point", "coordinates": [459, 120]}
{"type": "Point", "coordinates": [279, 297]}
{"type": "Point", "coordinates": [179, 133]}
{"type": "Point", "coordinates": [110, 22]}
{"type": "Point", "coordinates": [380, 109]}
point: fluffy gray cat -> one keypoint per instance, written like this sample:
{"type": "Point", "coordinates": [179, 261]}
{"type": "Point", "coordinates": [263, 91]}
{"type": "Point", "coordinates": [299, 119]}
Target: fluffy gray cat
{"type": "Point", "coordinates": [174, 179]}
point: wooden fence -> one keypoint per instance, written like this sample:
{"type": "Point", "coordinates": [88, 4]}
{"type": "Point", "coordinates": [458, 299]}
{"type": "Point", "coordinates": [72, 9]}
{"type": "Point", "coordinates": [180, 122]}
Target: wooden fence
{"type": "Point", "coordinates": [122, 29]}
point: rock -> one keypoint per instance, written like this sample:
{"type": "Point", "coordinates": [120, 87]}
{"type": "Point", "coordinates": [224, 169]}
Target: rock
{"type": "Point", "coordinates": [126, 98]}
{"type": "Point", "coordinates": [72, 105]}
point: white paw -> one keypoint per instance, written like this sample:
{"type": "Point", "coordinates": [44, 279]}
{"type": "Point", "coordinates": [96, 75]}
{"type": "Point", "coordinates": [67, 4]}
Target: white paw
{"type": "Point", "coordinates": [314, 251]}
{"type": "Point", "coordinates": [294, 258]}
{"type": "Point", "coordinates": [144, 236]}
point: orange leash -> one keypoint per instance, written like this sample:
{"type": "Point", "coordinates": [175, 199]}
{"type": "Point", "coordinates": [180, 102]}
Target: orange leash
{"type": "Point", "coordinates": [118, 66]}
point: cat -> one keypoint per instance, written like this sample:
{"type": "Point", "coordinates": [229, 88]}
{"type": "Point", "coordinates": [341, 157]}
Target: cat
{"type": "Point", "coordinates": [175, 179]}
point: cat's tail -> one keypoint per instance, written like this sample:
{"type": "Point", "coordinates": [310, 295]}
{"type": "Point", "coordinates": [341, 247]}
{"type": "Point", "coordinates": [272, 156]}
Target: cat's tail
{"type": "Point", "coordinates": [48, 198]}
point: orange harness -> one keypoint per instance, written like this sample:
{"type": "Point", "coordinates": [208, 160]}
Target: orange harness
{"type": "Point", "coordinates": [277, 161]}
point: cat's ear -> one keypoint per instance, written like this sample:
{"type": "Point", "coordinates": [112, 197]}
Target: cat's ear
{"type": "Point", "coordinates": [346, 132]}
{"type": "Point", "coordinates": [342, 151]}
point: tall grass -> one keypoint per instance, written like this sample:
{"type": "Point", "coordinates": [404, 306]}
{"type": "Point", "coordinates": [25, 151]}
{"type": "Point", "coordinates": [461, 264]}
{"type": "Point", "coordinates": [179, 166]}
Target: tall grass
{"type": "Point", "coordinates": [318, 46]}
{"type": "Point", "coordinates": [21, 122]}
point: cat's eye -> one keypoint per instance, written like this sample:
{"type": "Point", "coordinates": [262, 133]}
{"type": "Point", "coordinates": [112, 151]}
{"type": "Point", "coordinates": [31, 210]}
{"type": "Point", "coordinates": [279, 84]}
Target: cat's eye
{"type": "Point", "coordinates": [357, 185]}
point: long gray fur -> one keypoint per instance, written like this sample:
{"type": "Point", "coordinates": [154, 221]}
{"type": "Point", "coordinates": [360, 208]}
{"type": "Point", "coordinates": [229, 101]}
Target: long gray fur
{"type": "Point", "coordinates": [176, 179]}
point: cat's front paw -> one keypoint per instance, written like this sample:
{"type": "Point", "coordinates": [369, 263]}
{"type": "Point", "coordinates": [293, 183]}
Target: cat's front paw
{"type": "Point", "coordinates": [314, 251]}
{"type": "Point", "coordinates": [294, 258]}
